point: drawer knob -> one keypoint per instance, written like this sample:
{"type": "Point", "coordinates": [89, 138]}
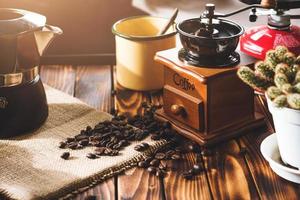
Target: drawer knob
{"type": "Point", "coordinates": [177, 109]}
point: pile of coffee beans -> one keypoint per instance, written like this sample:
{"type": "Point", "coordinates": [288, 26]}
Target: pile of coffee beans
{"type": "Point", "coordinates": [156, 163]}
{"type": "Point", "coordinates": [111, 136]}
{"type": "Point", "coordinates": [147, 123]}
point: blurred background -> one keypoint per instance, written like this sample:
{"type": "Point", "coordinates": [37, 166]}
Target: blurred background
{"type": "Point", "coordinates": [87, 23]}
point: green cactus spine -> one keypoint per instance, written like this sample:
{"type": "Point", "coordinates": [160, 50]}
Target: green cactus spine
{"type": "Point", "coordinates": [249, 77]}
{"type": "Point", "coordinates": [271, 58]}
{"type": "Point", "coordinates": [264, 70]}
{"type": "Point", "coordinates": [280, 101]}
{"type": "Point", "coordinates": [296, 87]}
{"type": "Point", "coordinates": [280, 79]}
{"type": "Point", "coordinates": [294, 100]}
{"type": "Point", "coordinates": [289, 58]}
{"type": "Point", "coordinates": [280, 51]}
{"type": "Point", "coordinates": [273, 92]}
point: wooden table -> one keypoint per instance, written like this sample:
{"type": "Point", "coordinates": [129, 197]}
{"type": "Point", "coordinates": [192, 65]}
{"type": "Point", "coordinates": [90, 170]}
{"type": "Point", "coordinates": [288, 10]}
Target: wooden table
{"type": "Point", "coordinates": [235, 170]}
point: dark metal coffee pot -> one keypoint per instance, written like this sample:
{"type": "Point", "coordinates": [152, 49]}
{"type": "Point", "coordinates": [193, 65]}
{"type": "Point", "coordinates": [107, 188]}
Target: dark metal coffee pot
{"type": "Point", "coordinates": [24, 36]}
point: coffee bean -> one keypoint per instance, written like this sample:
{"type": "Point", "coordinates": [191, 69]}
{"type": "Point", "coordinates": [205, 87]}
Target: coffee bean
{"type": "Point", "coordinates": [106, 122]}
{"type": "Point", "coordinates": [139, 136]}
{"type": "Point", "coordinates": [116, 146]}
{"type": "Point", "coordinates": [100, 150]}
{"type": "Point", "coordinates": [155, 137]}
{"type": "Point", "coordinates": [81, 137]}
{"type": "Point", "coordinates": [114, 152]}
{"type": "Point", "coordinates": [62, 145]}
{"type": "Point", "coordinates": [138, 148]}
{"type": "Point", "coordinates": [196, 169]}
{"type": "Point", "coordinates": [141, 147]}
{"type": "Point", "coordinates": [91, 156]}
{"type": "Point", "coordinates": [123, 143]}
{"type": "Point", "coordinates": [65, 155]}
{"type": "Point", "coordinates": [170, 153]}
{"type": "Point", "coordinates": [160, 156]}
{"type": "Point", "coordinates": [95, 138]}
{"type": "Point", "coordinates": [162, 167]}
{"type": "Point", "coordinates": [110, 144]}
{"type": "Point", "coordinates": [84, 142]}
{"type": "Point", "coordinates": [175, 156]}
{"type": "Point", "coordinates": [70, 139]}
{"type": "Point", "coordinates": [143, 164]}
{"type": "Point", "coordinates": [154, 163]}
{"type": "Point", "coordinates": [104, 142]}
{"type": "Point", "coordinates": [72, 145]}
{"type": "Point", "coordinates": [151, 169]}
{"type": "Point", "coordinates": [148, 160]}
{"type": "Point", "coordinates": [179, 149]}
{"type": "Point", "coordinates": [107, 151]}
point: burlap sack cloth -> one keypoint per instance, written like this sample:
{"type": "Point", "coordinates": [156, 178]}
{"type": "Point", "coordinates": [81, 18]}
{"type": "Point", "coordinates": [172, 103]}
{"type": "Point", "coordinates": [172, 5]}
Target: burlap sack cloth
{"type": "Point", "coordinates": [31, 167]}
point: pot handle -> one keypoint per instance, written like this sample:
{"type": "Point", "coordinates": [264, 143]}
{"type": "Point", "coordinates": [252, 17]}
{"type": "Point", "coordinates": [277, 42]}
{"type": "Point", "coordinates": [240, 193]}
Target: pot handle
{"type": "Point", "coordinates": [53, 29]}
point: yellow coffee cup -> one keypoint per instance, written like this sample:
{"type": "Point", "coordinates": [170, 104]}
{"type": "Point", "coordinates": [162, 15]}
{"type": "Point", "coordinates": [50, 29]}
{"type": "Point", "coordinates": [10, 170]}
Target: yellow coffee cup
{"type": "Point", "coordinates": [137, 41]}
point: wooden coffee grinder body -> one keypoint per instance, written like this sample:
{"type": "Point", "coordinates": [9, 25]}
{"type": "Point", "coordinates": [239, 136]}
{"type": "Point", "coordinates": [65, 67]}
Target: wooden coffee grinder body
{"type": "Point", "coordinates": [205, 104]}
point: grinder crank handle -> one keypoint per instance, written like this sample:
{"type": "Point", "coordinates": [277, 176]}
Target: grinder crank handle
{"type": "Point", "coordinates": [280, 4]}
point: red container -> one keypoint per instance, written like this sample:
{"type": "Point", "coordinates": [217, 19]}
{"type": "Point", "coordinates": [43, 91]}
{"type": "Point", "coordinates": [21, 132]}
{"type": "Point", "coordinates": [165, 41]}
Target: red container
{"type": "Point", "coordinates": [258, 40]}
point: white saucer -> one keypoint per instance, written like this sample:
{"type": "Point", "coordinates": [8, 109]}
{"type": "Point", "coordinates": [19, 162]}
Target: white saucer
{"type": "Point", "coordinates": [270, 151]}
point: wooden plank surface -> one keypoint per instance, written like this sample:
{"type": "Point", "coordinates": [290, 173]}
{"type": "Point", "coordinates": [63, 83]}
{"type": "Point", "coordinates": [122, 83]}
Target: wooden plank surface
{"type": "Point", "coordinates": [61, 77]}
{"type": "Point", "coordinates": [235, 170]}
{"type": "Point", "coordinates": [129, 102]}
{"type": "Point", "coordinates": [178, 188]}
{"type": "Point", "coordinates": [138, 184]}
{"type": "Point", "coordinates": [103, 191]}
{"type": "Point", "coordinates": [93, 86]}
{"type": "Point", "coordinates": [228, 173]}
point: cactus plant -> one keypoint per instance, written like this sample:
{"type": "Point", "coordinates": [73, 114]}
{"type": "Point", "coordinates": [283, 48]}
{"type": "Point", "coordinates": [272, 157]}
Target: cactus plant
{"type": "Point", "coordinates": [249, 77]}
{"type": "Point", "coordinates": [278, 76]}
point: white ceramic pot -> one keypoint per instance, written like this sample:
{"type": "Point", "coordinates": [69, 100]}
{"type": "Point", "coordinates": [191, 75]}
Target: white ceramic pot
{"type": "Point", "coordinates": [136, 44]}
{"type": "Point", "coordinates": [287, 127]}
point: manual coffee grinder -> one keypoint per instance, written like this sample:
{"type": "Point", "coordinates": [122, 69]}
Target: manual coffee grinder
{"type": "Point", "coordinates": [24, 36]}
{"type": "Point", "coordinates": [203, 97]}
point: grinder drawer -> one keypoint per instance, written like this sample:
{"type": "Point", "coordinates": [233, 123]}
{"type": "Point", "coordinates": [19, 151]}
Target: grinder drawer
{"type": "Point", "coordinates": [183, 107]}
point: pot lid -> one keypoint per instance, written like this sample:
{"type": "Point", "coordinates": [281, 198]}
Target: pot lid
{"type": "Point", "coordinates": [258, 40]}
{"type": "Point", "coordinates": [17, 21]}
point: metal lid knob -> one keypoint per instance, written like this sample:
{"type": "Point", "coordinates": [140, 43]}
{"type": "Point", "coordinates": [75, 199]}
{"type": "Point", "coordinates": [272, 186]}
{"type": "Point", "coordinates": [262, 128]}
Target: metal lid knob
{"type": "Point", "coordinates": [210, 6]}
